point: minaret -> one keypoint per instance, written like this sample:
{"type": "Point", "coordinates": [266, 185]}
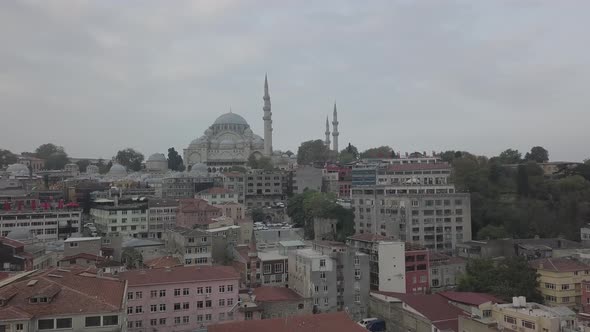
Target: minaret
{"type": "Point", "coordinates": [327, 141]}
{"type": "Point", "coordinates": [335, 132]}
{"type": "Point", "coordinates": [267, 120]}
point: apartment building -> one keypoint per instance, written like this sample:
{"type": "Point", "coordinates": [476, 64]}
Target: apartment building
{"type": "Point", "coordinates": [46, 224]}
{"type": "Point", "coordinates": [162, 216]}
{"type": "Point", "coordinates": [265, 188]}
{"type": "Point", "coordinates": [60, 299]}
{"type": "Point", "coordinates": [127, 219]}
{"type": "Point", "coordinates": [307, 177]}
{"type": "Point", "coordinates": [218, 195]}
{"type": "Point", "coordinates": [411, 202]}
{"type": "Point", "coordinates": [560, 280]}
{"type": "Point", "coordinates": [196, 212]}
{"type": "Point", "coordinates": [186, 298]}
{"type": "Point", "coordinates": [185, 185]}
{"type": "Point", "coordinates": [235, 182]}
{"type": "Point", "coordinates": [352, 289]}
{"type": "Point", "coordinates": [445, 271]}
{"type": "Point", "coordinates": [313, 275]}
{"type": "Point", "coordinates": [191, 246]}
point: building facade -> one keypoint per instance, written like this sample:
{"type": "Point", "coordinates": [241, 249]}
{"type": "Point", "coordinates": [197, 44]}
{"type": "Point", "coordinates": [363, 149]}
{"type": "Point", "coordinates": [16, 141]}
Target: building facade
{"type": "Point", "coordinates": [265, 188]}
{"type": "Point", "coordinates": [560, 280]}
{"type": "Point", "coordinates": [129, 220]}
{"type": "Point", "coordinates": [190, 246]}
{"type": "Point", "coordinates": [44, 224]}
{"type": "Point", "coordinates": [162, 216]}
{"type": "Point", "coordinates": [181, 298]}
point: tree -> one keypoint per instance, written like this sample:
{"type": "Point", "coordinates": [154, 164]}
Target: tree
{"type": "Point", "coordinates": [83, 164]}
{"type": "Point", "coordinates": [379, 152]}
{"type": "Point", "coordinates": [257, 215]}
{"type": "Point", "coordinates": [130, 159]}
{"type": "Point", "coordinates": [7, 158]}
{"type": "Point", "coordinates": [312, 151]}
{"type": "Point", "coordinates": [491, 232]}
{"type": "Point", "coordinates": [523, 181]}
{"type": "Point", "coordinates": [289, 153]}
{"type": "Point", "coordinates": [505, 279]}
{"type": "Point", "coordinates": [175, 160]}
{"type": "Point", "coordinates": [348, 154]}
{"type": "Point", "coordinates": [55, 156]}
{"type": "Point", "coordinates": [132, 258]}
{"type": "Point", "coordinates": [260, 162]}
{"type": "Point", "coordinates": [538, 154]}
{"type": "Point", "coordinates": [510, 156]}
{"type": "Point", "coordinates": [102, 167]}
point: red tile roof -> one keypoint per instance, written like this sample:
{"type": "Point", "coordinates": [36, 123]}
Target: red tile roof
{"type": "Point", "coordinates": [179, 274]}
{"type": "Point", "coordinates": [469, 298]}
{"type": "Point", "coordinates": [337, 321]}
{"type": "Point", "coordinates": [196, 205]}
{"type": "Point", "coordinates": [368, 237]}
{"type": "Point", "coordinates": [162, 262]}
{"type": "Point", "coordinates": [435, 308]}
{"type": "Point", "coordinates": [562, 264]}
{"type": "Point", "coordinates": [273, 294]}
{"type": "Point", "coordinates": [72, 294]}
{"type": "Point", "coordinates": [11, 243]}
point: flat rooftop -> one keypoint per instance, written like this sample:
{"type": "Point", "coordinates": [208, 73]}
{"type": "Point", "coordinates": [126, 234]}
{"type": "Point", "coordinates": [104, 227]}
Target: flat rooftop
{"type": "Point", "coordinates": [79, 239]}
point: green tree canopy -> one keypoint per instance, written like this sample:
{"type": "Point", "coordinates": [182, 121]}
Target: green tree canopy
{"type": "Point", "coordinates": [348, 154]}
{"type": "Point", "coordinates": [312, 151]}
{"type": "Point", "coordinates": [537, 154]}
{"type": "Point", "coordinates": [491, 232]}
{"type": "Point", "coordinates": [175, 160]}
{"type": "Point", "coordinates": [505, 279]}
{"type": "Point", "coordinates": [379, 152]}
{"type": "Point", "coordinates": [103, 167]}
{"type": "Point", "coordinates": [510, 156]}
{"type": "Point", "coordinates": [55, 156]}
{"type": "Point", "coordinates": [7, 158]}
{"type": "Point", "coordinates": [262, 162]}
{"type": "Point", "coordinates": [130, 158]}
{"type": "Point", "coordinates": [132, 258]}
{"type": "Point", "coordinates": [83, 164]}
{"type": "Point", "coordinates": [257, 215]}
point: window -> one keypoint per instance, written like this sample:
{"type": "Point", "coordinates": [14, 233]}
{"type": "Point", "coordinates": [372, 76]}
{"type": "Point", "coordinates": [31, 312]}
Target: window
{"type": "Point", "coordinates": [177, 292]}
{"type": "Point", "coordinates": [487, 313]}
{"type": "Point", "coordinates": [199, 304]}
{"type": "Point", "coordinates": [185, 291]}
{"type": "Point", "coordinates": [154, 293]}
{"type": "Point", "coordinates": [185, 306]}
{"type": "Point", "coordinates": [528, 325]}
{"type": "Point", "coordinates": [92, 321]}
{"type": "Point", "coordinates": [509, 320]}
{"type": "Point", "coordinates": [110, 320]}
{"type": "Point", "coordinates": [316, 301]}
{"type": "Point", "coordinates": [230, 302]}
{"type": "Point", "coordinates": [47, 324]}
{"type": "Point", "coordinates": [357, 298]}
{"type": "Point", "coordinates": [176, 306]}
{"type": "Point", "coordinates": [177, 320]}
{"type": "Point", "coordinates": [435, 283]}
{"type": "Point", "coordinates": [322, 263]}
{"type": "Point", "coordinates": [222, 289]}
{"type": "Point", "coordinates": [267, 268]}
{"type": "Point", "coordinates": [208, 304]}
{"type": "Point", "coordinates": [207, 317]}
{"type": "Point", "coordinates": [162, 321]}
{"type": "Point", "coordinates": [565, 299]}
{"type": "Point", "coordinates": [162, 306]}
{"type": "Point", "coordinates": [199, 290]}
{"type": "Point", "coordinates": [248, 315]}
{"type": "Point", "coordinates": [357, 260]}
{"type": "Point", "coordinates": [129, 310]}
{"type": "Point", "coordinates": [208, 290]}
{"type": "Point", "coordinates": [130, 296]}
{"type": "Point", "coordinates": [278, 267]}
{"type": "Point", "coordinates": [565, 287]}
{"type": "Point", "coordinates": [153, 308]}
{"type": "Point", "coordinates": [138, 309]}
{"type": "Point", "coordinates": [138, 324]}
{"type": "Point", "coordinates": [138, 295]}
{"type": "Point", "coordinates": [322, 275]}
{"type": "Point", "coordinates": [162, 292]}
{"type": "Point", "coordinates": [199, 318]}
{"type": "Point", "coordinates": [153, 322]}
{"type": "Point", "coordinates": [20, 327]}
{"type": "Point", "coordinates": [230, 288]}
{"type": "Point", "coordinates": [326, 302]}
{"type": "Point", "coordinates": [185, 319]}
{"type": "Point", "coordinates": [549, 286]}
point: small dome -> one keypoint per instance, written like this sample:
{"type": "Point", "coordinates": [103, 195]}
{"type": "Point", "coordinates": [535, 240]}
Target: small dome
{"type": "Point", "coordinates": [199, 169]}
{"type": "Point", "coordinates": [17, 169]}
{"type": "Point", "coordinates": [157, 157]}
{"type": "Point", "coordinates": [230, 118]}
{"type": "Point", "coordinates": [117, 170]}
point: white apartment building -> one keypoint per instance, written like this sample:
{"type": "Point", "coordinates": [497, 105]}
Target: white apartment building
{"type": "Point", "coordinates": [126, 219]}
{"type": "Point", "coordinates": [161, 216]}
{"type": "Point", "coordinates": [44, 225]}
{"type": "Point", "coordinates": [313, 275]}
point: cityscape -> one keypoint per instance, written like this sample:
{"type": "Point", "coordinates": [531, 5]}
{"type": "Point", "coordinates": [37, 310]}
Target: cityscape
{"type": "Point", "coordinates": [227, 231]}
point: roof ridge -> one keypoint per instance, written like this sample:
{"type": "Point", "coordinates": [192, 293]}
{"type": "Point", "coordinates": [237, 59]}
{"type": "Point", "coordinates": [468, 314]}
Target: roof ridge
{"type": "Point", "coordinates": [77, 291]}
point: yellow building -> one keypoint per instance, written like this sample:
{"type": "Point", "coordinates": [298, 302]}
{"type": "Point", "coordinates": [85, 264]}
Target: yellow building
{"type": "Point", "coordinates": [560, 280]}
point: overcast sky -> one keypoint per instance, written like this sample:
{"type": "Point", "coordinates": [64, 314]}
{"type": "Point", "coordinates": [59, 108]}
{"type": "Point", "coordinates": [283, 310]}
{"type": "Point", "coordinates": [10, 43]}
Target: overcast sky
{"type": "Point", "coordinates": [482, 76]}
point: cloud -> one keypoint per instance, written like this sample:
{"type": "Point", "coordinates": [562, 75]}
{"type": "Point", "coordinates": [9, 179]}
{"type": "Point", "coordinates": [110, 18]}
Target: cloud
{"type": "Point", "coordinates": [97, 76]}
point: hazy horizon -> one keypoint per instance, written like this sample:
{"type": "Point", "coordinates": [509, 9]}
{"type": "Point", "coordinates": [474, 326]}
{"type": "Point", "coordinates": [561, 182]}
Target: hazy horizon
{"type": "Point", "coordinates": [99, 76]}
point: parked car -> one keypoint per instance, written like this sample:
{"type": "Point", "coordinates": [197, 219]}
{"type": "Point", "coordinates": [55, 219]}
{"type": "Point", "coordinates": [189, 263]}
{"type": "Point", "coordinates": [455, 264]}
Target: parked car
{"type": "Point", "coordinates": [376, 325]}
{"type": "Point", "coordinates": [364, 322]}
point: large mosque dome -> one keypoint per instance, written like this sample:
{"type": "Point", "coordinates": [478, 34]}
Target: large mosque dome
{"type": "Point", "coordinates": [231, 118]}
{"type": "Point", "coordinates": [117, 170]}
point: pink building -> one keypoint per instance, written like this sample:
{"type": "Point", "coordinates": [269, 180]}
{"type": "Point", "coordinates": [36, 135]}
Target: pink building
{"type": "Point", "coordinates": [183, 298]}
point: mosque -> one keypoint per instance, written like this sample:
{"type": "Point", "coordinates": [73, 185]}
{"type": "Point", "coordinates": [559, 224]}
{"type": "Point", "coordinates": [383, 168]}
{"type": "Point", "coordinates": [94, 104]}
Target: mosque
{"type": "Point", "coordinates": [230, 141]}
